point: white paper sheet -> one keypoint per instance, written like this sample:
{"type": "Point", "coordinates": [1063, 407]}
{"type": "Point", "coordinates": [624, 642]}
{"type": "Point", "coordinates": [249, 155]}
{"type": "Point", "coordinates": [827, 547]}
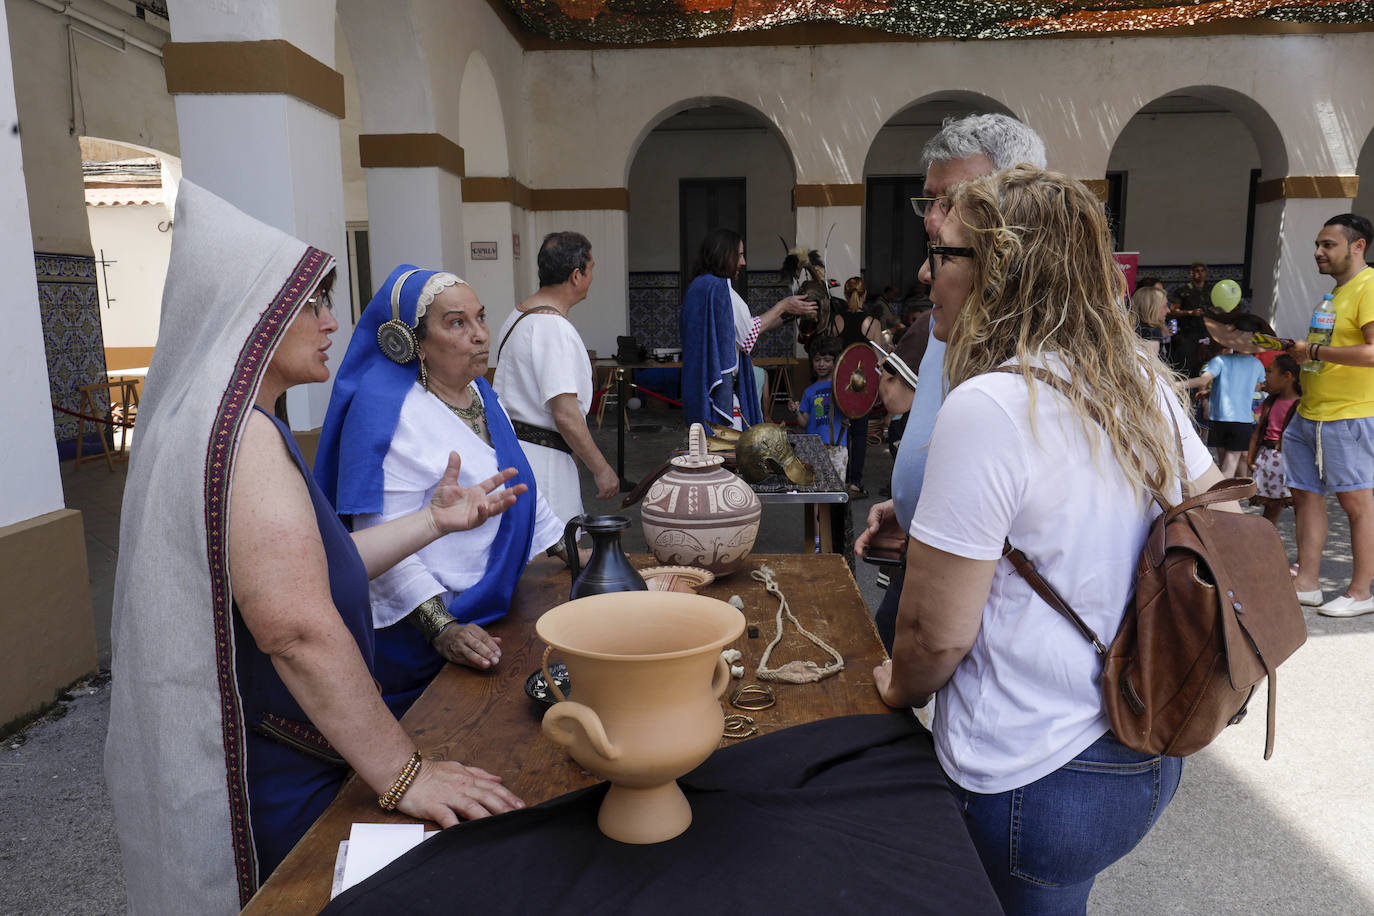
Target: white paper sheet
{"type": "Point", "coordinates": [341, 871]}
{"type": "Point", "coordinates": [371, 847]}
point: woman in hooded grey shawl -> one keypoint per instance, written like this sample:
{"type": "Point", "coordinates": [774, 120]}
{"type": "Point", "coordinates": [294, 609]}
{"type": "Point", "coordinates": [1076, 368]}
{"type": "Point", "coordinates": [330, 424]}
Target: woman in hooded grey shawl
{"type": "Point", "coordinates": [179, 750]}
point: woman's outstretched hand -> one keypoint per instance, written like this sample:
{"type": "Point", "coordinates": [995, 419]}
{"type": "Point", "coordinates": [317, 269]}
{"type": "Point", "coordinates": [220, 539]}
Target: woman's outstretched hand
{"type": "Point", "coordinates": [455, 507]}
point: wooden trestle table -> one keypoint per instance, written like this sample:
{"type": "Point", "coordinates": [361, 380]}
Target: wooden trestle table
{"type": "Point", "coordinates": [485, 718]}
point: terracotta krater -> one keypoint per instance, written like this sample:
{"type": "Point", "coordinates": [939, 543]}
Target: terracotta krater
{"type": "Point", "coordinates": [699, 514]}
{"type": "Point", "coordinates": [647, 672]}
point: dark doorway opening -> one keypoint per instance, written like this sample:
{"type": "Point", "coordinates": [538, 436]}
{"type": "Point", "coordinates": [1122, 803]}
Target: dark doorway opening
{"type": "Point", "coordinates": [705, 204]}
{"type": "Point", "coordinates": [895, 236]}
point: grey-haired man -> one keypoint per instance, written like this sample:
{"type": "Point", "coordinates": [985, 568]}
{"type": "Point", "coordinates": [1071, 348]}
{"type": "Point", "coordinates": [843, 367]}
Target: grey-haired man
{"type": "Point", "coordinates": [963, 149]}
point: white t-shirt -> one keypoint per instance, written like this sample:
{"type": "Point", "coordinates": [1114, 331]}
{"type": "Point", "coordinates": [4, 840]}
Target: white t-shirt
{"type": "Point", "coordinates": [544, 357]}
{"type": "Point", "coordinates": [425, 433]}
{"type": "Point", "coordinates": [1026, 699]}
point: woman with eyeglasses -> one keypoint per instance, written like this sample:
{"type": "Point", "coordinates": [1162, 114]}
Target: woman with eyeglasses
{"type": "Point", "coordinates": [242, 689]}
{"type": "Point", "coordinates": [1023, 278]}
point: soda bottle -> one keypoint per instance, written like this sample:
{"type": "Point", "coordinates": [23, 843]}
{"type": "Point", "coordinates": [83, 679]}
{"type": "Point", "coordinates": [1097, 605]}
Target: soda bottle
{"type": "Point", "coordinates": [1319, 331]}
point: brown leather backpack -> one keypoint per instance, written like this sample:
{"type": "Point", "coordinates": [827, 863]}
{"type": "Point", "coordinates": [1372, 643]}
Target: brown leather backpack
{"type": "Point", "coordinates": [1214, 613]}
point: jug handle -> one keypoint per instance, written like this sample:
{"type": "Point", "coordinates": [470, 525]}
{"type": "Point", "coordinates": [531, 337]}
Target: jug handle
{"type": "Point", "coordinates": [558, 722]}
{"type": "Point", "coordinates": [570, 546]}
{"type": "Point", "coordinates": [719, 681]}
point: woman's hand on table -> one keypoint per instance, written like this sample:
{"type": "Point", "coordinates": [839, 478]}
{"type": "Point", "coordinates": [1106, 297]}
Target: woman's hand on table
{"type": "Point", "coordinates": [469, 645]}
{"type": "Point", "coordinates": [455, 507]}
{"type": "Point", "coordinates": [881, 532]}
{"type": "Point", "coordinates": [445, 791]}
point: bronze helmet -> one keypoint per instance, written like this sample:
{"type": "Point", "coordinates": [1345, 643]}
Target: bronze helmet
{"type": "Point", "coordinates": [763, 449]}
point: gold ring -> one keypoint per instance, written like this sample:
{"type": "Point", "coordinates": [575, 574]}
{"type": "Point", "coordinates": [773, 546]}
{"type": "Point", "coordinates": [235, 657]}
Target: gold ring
{"type": "Point", "coordinates": [753, 697]}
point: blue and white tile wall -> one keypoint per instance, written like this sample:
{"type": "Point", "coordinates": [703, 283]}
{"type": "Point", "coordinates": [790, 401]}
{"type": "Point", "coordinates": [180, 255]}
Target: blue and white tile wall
{"type": "Point", "coordinates": [72, 339]}
{"type": "Point", "coordinates": [655, 299]}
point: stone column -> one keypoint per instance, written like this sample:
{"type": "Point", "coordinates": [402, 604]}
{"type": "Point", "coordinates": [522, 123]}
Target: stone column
{"type": "Point", "coordinates": [1289, 213]}
{"type": "Point", "coordinates": [258, 103]}
{"type": "Point", "coordinates": [45, 611]}
{"type": "Point", "coordinates": [414, 201]}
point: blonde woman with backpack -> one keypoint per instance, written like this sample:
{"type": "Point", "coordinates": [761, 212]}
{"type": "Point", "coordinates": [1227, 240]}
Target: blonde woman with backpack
{"type": "Point", "coordinates": [1023, 277]}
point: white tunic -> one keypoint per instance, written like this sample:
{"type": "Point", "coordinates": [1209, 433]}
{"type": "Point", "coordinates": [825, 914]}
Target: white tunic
{"type": "Point", "coordinates": [425, 433]}
{"type": "Point", "coordinates": [1026, 699]}
{"type": "Point", "coordinates": [543, 358]}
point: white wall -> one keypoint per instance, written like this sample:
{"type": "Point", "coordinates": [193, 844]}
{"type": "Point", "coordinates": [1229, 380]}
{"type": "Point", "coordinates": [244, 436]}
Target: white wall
{"type": "Point", "coordinates": [129, 237]}
{"type": "Point", "coordinates": [897, 151]}
{"type": "Point", "coordinates": [757, 156]}
{"type": "Point", "coordinates": [30, 485]}
{"type": "Point", "coordinates": [122, 96]}
{"type": "Point", "coordinates": [1187, 186]}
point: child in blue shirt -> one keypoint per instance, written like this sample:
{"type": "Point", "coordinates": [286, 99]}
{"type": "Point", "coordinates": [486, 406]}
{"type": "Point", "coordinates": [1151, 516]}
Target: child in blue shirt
{"type": "Point", "coordinates": [1234, 378]}
{"type": "Point", "coordinates": [815, 412]}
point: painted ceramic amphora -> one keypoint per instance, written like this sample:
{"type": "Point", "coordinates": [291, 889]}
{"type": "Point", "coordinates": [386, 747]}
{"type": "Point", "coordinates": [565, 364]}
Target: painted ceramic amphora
{"type": "Point", "coordinates": [699, 514]}
{"type": "Point", "coordinates": [648, 674]}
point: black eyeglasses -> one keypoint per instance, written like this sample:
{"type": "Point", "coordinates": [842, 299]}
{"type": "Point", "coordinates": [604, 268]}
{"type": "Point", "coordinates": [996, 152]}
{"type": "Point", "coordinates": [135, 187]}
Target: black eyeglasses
{"type": "Point", "coordinates": [945, 251]}
{"type": "Point", "coordinates": [322, 298]}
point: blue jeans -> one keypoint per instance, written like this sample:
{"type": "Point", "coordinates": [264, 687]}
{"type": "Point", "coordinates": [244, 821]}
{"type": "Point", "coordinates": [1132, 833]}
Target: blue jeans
{"type": "Point", "coordinates": [1044, 843]}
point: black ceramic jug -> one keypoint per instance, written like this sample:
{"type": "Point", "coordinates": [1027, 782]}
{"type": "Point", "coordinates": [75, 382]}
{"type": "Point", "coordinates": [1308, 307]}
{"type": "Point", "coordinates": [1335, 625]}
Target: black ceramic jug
{"type": "Point", "coordinates": [608, 570]}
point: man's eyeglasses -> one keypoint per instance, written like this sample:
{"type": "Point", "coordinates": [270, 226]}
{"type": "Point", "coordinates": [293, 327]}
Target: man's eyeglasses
{"type": "Point", "coordinates": [322, 298]}
{"type": "Point", "coordinates": [926, 205]}
{"type": "Point", "coordinates": [937, 252]}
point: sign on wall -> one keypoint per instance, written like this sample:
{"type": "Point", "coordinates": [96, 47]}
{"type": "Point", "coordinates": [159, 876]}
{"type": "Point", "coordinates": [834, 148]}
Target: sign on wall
{"type": "Point", "coordinates": [483, 251]}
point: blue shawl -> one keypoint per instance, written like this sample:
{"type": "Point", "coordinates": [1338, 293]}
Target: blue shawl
{"type": "Point", "coordinates": [714, 369]}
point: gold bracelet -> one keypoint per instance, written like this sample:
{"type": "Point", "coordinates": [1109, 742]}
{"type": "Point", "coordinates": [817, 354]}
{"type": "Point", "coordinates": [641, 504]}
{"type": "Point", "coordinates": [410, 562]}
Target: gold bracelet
{"type": "Point", "coordinates": [753, 697]}
{"type": "Point", "coordinates": [430, 617]}
{"type": "Point", "coordinates": [392, 798]}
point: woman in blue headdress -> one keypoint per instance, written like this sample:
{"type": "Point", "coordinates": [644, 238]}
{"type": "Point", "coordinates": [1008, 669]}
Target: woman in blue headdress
{"type": "Point", "coordinates": [411, 389]}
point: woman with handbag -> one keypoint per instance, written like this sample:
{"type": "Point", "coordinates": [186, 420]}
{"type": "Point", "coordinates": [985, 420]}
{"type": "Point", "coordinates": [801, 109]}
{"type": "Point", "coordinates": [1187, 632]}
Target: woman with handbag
{"type": "Point", "coordinates": [1023, 277]}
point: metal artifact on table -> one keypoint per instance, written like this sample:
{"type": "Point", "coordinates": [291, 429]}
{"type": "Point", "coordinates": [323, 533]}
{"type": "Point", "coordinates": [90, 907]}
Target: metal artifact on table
{"type": "Point", "coordinates": [763, 450]}
{"type": "Point", "coordinates": [649, 675]}
{"type": "Point", "coordinates": [699, 514]}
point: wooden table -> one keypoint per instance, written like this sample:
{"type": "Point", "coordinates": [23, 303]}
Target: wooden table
{"type": "Point", "coordinates": [485, 719]}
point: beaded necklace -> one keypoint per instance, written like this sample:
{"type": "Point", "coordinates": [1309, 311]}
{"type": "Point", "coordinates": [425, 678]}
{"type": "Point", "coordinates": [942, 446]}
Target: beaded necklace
{"type": "Point", "coordinates": [474, 416]}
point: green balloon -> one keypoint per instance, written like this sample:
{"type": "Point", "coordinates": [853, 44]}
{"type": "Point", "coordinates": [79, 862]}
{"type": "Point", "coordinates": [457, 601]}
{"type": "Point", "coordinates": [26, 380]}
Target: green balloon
{"type": "Point", "coordinates": [1226, 295]}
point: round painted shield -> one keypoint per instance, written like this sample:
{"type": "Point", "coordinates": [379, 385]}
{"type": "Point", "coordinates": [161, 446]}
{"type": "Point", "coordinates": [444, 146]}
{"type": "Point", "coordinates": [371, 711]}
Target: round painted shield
{"type": "Point", "coordinates": [856, 381]}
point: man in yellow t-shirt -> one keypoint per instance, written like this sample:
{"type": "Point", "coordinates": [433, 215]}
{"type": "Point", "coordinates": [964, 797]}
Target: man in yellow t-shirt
{"type": "Point", "coordinates": [1329, 445]}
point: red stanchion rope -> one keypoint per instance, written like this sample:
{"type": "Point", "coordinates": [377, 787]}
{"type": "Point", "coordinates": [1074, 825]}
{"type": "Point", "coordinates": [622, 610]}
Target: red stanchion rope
{"type": "Point", "coordinates": [127, 424]}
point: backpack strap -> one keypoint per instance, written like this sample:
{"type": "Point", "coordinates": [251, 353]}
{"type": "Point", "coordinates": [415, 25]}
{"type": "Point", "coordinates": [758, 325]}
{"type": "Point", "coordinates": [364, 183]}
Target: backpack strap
{"type": "Point", "coordinates": [1050, 595]}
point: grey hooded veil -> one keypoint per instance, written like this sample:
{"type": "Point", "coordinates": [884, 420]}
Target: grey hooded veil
{"type": "Point", "coordinates": [174, 757]}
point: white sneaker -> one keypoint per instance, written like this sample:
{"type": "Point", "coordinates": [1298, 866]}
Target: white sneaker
{"type": "Point", "coordinates": [1310, 599]}
{"type": "Point", "coordinates": [1345, 606]}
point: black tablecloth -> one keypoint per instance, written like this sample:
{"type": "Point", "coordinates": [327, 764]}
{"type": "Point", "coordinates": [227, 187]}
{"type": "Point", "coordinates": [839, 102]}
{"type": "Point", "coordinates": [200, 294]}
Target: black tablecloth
{"type": "Point", "coordinates": [848, 815]}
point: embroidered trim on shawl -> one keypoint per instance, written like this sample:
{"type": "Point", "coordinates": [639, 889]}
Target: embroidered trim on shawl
{"type": "Point", "coordinates": [233, 408]}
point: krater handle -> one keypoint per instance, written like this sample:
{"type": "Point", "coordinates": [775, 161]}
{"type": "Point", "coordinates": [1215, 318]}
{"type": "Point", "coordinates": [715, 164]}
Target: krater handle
{"type": "Point", "coordinates": [720, 679]}
{"type": "Point", "coordinates": [559, 722]}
